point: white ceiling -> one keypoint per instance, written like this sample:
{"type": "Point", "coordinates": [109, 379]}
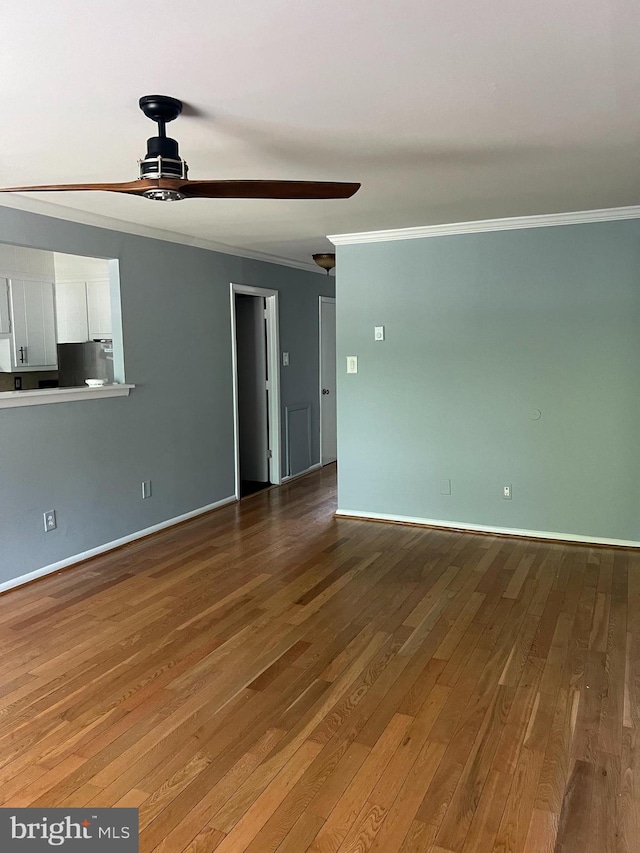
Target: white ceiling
{"type": "Point", "coordinates": [444, 111]}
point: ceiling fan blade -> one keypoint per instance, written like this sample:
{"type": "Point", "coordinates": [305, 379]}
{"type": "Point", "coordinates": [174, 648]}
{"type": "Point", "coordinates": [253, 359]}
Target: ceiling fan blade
{"type": "Point", "coordinates": [268, 189]}
{"type": "Point", "coordinates": [133, 187]}
{"type": "Point", "coordinates": [183, 188]}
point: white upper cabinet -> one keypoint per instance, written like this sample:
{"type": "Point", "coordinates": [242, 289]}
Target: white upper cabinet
{"type": "Point", "coordinates": [32, 345]}
{"type": "Point", "coordinates": [5, 324]}
{"type": "Point", "coordinates": [99, 309]}
{"type": "Point", "coordinates": [83, 311]}
{"type": "Point", "coordinates": [71, 312]}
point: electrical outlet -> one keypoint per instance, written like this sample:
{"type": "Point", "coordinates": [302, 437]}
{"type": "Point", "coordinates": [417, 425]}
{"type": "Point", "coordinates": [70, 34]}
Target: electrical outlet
{"type": "Point", "coordinates": [352, 364]}
{"type": "Point", "coordinates": [378, 333]}
{"type": "Point", "coordinates": [506, 492]}
{"type": "Point", "coordinates": [146, 489]}
{"type": "Point", "coordinates": [445, 487]}
{"type": "Point", "coordinates": [49, 520]}
{"type": "Point", "coordinates": [285, 359]}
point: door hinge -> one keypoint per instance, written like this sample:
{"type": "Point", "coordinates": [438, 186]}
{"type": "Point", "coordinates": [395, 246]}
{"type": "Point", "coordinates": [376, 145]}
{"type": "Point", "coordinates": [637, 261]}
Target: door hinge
{"type": "Point", "coordinates": [265, 313]}
{"type": "Point", "coordinates": [269, 454]}
{"type": "Point", "coordinates": [266, 384]}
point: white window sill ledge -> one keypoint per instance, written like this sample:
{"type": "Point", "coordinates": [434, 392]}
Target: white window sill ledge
{"type": "Point", "coordinates": [11, 399]}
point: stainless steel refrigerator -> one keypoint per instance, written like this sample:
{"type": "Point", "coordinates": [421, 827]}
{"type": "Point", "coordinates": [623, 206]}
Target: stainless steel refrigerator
{"type": "Point", "coordinates": [90, 360]}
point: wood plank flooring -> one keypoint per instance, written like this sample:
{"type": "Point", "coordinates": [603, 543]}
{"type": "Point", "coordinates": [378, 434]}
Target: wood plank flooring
{"type": "Point", "coordinates": [270, 679]}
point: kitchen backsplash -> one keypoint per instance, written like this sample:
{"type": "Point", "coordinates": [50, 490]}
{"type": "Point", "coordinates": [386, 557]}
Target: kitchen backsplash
{"type": "Point", "coordinates": [29, 380]}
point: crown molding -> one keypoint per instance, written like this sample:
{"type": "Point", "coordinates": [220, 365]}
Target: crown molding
{"type": "Point", "coordinates": [482, 225]}
{"type": "Point", "coordinates": [97, 220]}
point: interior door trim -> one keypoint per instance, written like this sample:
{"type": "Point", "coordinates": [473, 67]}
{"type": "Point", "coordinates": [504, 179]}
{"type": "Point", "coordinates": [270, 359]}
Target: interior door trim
{"type": "Point", "coordinates": [273, 371]}
{"type": "Point", "coordinates": [329, 299]}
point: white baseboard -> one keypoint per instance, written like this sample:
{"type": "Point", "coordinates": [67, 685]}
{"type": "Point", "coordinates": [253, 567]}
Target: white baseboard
{"type": "Point", "coordinates": [302, 473]}
{"type": "Point", "coordinates": [109, 546]}
{"type": "Point", "coordinates": [483, 528]}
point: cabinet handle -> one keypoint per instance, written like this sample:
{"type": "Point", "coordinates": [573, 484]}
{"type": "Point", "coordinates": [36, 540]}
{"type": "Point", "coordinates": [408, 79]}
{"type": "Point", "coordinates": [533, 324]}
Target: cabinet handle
{"type": "Point", "coordinates": [23, 355]}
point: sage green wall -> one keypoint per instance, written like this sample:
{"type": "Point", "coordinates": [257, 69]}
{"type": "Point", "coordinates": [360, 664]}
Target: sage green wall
{"type": "Point", "coordinates": [87, 460]}
{"type": "Point", "coordinates": [481, 330]}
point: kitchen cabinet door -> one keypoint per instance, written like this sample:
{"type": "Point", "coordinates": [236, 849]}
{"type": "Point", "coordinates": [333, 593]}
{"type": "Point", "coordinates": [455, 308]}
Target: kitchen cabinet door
{"type": "Point", "coordinates": [5, 324]}
{"type": "Point", "coordinates": [33, 324]}
{"type": "Point", "coordinates": [71, 312]}
{"type": "Point", "coordinates": [99, 309]}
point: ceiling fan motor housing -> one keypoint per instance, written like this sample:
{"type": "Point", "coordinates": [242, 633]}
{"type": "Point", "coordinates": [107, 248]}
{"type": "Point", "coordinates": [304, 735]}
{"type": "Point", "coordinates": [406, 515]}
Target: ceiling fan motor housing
{"type": "Point", "coordinates": [163, 159]}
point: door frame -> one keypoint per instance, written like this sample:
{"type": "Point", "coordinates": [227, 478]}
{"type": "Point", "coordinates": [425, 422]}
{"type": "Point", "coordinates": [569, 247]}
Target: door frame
{"type": "Point", "coordinates": [273, 372]}
{"type": "Point", "coordinates": [320, 301]}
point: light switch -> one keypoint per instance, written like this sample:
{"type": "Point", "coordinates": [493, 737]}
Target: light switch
{"type": "Point", "coordinates": [378, 333]}
{"type": "Point", "coordinates": [352, 364]}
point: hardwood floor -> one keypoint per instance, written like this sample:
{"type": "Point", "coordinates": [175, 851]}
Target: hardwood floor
{"type": "Point", "coordinates": [268, 678]}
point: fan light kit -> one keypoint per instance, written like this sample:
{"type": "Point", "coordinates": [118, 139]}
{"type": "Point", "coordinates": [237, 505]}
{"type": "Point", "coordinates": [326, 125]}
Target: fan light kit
{"type": "Point", "coordinates": [163, 173]}
{"type": "Point", "coordinates": [326, 260]}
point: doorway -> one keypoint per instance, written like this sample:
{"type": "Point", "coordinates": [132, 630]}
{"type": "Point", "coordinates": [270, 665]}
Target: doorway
{"type": "Point", "coordinates": [254, 319]}
{"type": "Point", "coordinates": [328, 413]}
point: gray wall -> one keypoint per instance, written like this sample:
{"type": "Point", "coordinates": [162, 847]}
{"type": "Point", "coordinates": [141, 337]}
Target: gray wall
{"type": "Point", "coordinates": [87, 460]}
{"type": "Point", "coordinates": [481, 330]}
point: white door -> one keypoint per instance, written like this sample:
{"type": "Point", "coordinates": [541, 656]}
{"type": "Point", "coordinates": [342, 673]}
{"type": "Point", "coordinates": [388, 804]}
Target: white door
{"type": "Point", "coordinates": [328, 433]}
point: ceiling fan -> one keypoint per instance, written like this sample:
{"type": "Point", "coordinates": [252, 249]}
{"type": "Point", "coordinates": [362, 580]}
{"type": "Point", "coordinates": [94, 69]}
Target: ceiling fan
{"type": "Point", "coordinates": [163, 173]}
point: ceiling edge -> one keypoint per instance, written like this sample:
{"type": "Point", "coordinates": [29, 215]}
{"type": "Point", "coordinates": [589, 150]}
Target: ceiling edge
{"type": "Point", "coordinates": [82, 217]}
{"type": "Point", "coordinates": [482, 225]}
